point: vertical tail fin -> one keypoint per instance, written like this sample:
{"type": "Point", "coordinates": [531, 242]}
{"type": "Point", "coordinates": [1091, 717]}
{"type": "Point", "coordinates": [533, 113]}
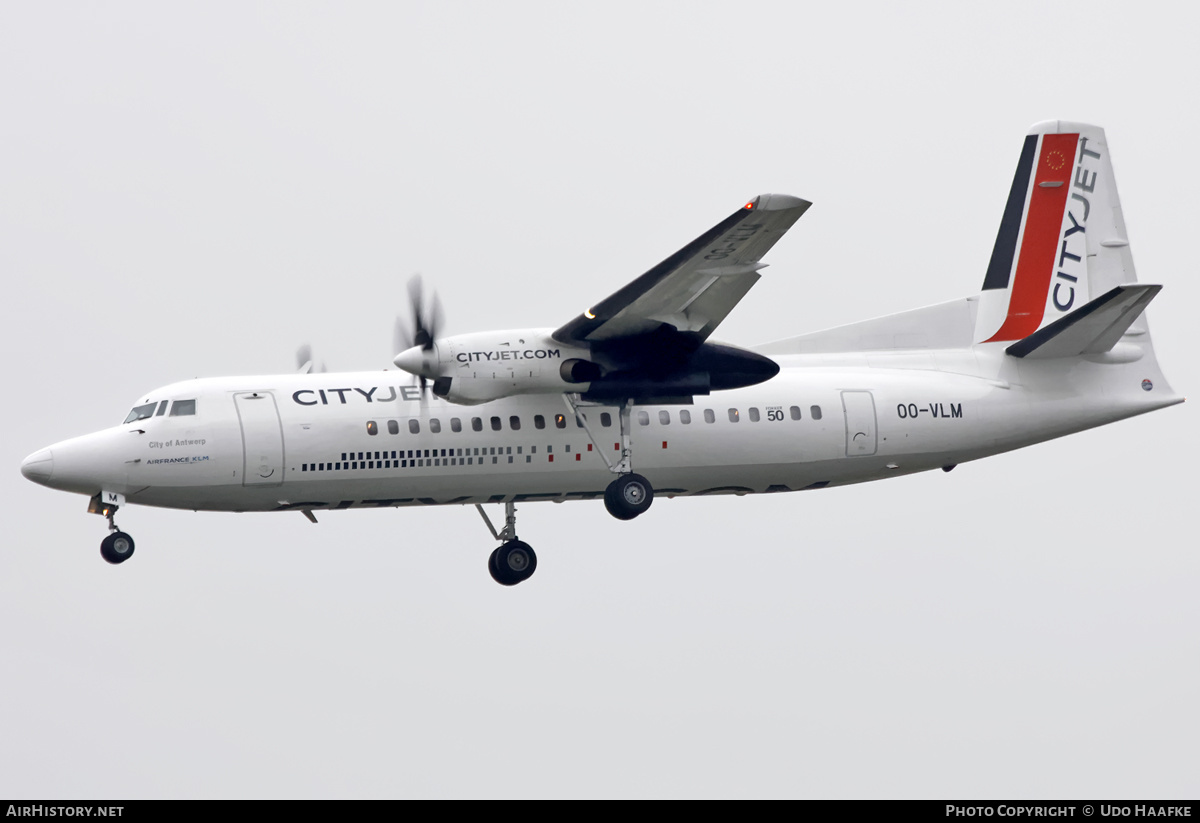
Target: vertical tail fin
{"type": "Point", "coordinates": [1062, 238]}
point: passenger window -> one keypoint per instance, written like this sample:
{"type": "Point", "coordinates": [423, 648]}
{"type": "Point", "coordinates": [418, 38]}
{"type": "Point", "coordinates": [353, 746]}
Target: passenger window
{"type": "Point", "coordinates": [414, 426]}
{"type": "Point", "coordinates": [664, 417]}
{"type": "Point", "coordinates": [141, 412]}
{"type": "Point", "coordinates": [476, 424]}
{"type": "Point", "coordinates": [393, 427]}
{"type": "Point", "coordinates": [183, 408]}
{"type": "Point", "coordinates": [435, 425]}
{"type": "Point", "coordinates": [495, 421]}
{"type": "Point", "coordinates": [795, 412]}
{"type": "Point", "coordinates": [710, 416]}
{"type": "Point", "coordinates": [734, 415]}
{"type": "Point", "coordinates": [815, 411]}
{"type": "Point", "coordinates": [372, 428]}
{"type": "Point", "coordinates": [754, 414]}
{"type": "Point", "coordinates": [560, 421]}
{"type": "Point", "coordinates": [644, 418]}
{"type": "Point", "coordinates": [514, 423]}
{"type": "Point", "coordinates": [455, 424]}
{"type": "Point", "coordinates": [605, 419]}
{"type": "Point", "coordinates": [685, 416]}
{"type": "Point", "coordinates": [539, 422]}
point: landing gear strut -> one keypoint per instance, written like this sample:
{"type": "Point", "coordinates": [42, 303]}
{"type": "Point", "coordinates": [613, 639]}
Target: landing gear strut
{"type": "Point", "coordinates": [515, 560]}
{"type": "Point", "coordinates": [629, 494]}
{"type": "Point", "coordinates": [118, 546]}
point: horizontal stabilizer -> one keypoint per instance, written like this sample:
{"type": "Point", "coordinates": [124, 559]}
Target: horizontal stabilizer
{"type": "Point", "coordinates": [1093, 328]}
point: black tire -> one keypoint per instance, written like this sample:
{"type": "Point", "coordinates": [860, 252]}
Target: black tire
{"type": "Point", "coordinates": [493, 569]}
{"type": "Point", "coordinates": [117, 548]}
{"type": "Point", "coordinates": [512, 563]}
{"type": "Point", "coordinates": [628, 496]}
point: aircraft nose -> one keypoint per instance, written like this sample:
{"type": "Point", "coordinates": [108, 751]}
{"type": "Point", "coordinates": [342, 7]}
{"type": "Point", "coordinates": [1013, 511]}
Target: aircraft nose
{"type": "Point", "coordinates": [38, 466]}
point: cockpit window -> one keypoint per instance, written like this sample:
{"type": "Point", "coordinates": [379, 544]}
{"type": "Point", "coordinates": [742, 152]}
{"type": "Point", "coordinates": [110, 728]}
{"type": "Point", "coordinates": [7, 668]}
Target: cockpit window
{"type": "Point", "coordinates": [141, 412]}
{"type": "Point", "coordinates": [183, 407]}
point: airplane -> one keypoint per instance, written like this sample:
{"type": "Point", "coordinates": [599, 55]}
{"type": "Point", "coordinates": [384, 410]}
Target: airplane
{"type": "Point", "coordinates": [1055, 342]}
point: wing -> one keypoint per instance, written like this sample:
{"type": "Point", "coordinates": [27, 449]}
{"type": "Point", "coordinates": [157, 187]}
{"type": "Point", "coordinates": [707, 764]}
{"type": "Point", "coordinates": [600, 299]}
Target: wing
{"type": "Point", "coordinates": [693, 290]}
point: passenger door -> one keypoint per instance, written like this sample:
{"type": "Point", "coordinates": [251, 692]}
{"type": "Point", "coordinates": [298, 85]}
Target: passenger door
{"type": "Point", "coordinates": [262, 439]}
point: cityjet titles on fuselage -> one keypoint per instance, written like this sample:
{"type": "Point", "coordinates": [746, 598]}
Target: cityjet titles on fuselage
{"type": "Point", "coordinates": [375, 394]}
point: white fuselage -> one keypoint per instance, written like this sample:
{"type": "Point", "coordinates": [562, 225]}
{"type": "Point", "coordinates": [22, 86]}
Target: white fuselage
{"type": "Point", "coordinates": [319, 441]}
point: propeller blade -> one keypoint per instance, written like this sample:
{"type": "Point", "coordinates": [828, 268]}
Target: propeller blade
{"type": "Point", "coordinates": [401, 337]}
{"type": "Point", "coordinates": [426, 321]}
{"type": "Point", "coordinates": [435, 316]}
{"type": "Point", "coordinates": [304, 359]}
{"type": "Point", "coordinates": [416, 288]}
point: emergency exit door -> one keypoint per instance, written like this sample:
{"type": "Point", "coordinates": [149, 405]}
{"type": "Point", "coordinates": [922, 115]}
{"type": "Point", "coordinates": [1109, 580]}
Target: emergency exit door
{"type": "Point", "coordinates": [859, 408]}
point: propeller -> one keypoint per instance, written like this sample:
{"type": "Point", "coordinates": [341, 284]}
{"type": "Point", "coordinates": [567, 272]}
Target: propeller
{"type": "Point", "coordinates": [426, 322]}
{"type": "Point", "coordinates": [304, 360]}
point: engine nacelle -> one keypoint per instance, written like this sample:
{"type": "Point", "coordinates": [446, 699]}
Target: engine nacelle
{"type": "Point", "coordinates": [485, 366]}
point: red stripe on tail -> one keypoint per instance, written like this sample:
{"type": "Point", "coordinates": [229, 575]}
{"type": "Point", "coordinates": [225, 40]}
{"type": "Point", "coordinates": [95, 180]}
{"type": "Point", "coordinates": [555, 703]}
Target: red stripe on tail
{"type": "Point", "coordinates": [1040, 242]}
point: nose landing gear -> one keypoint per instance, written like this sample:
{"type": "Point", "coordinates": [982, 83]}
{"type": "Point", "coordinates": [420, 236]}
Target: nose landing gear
{"type": "Point", "coordinates": [118, 546]}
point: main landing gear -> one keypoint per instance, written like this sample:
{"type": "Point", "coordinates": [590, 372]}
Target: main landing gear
{"type": "Point", "coordinates": [629, 494]}
{"type": "Point", "coordinates": [515, 560]}
{"type": "Point", "coordinates": [118, 546]}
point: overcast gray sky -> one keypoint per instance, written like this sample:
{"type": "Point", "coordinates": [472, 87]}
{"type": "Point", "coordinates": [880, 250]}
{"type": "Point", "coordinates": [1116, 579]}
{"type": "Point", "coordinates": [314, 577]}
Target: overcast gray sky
{"type": "Point", "coordinates": [196, 190]}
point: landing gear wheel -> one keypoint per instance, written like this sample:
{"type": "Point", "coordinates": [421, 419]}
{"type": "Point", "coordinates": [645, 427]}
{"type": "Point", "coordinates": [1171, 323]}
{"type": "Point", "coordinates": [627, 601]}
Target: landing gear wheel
{"type": "Point", "coordinates": [117, 548]}
{"type": "Point", "coordinates": [628, 496]}
{"type": "Point", "coordinates": [512, 562]}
